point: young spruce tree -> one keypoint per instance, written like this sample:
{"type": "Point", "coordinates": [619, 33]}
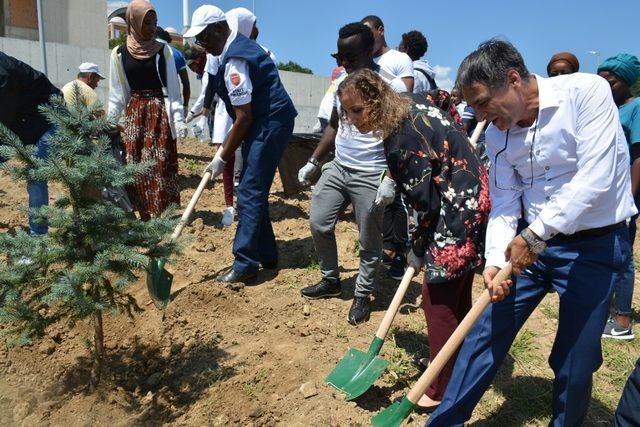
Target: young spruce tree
{"type": "Point", "coordinates": [94, 249]}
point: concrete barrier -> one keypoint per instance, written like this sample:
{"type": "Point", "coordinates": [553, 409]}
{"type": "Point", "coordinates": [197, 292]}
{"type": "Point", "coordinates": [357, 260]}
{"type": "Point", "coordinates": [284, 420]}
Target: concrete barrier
{"type": "Point", "coordinates": [305, 90]}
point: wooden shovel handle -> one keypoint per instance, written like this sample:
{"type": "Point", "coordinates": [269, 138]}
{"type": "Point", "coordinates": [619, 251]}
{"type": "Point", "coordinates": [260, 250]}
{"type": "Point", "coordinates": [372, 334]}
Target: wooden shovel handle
{"type": "Point", "coordinates": [395, 304]}
{"type": "Point", "coordinates": [452, 344]}
{"type": "Point", "coordinates": [476, 133]}
{"type": "Point", "coordinates": [192, 204]}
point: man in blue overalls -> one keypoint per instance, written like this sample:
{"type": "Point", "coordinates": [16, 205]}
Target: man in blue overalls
{"type": "Point", "coordinates": [263, 118]}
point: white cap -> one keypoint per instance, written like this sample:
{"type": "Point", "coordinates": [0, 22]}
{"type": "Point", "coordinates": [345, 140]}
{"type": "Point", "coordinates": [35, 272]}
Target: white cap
{"type": "Point", "coordinates": [90, 67]}
{"type": "Point", "coordinates": [203, 16]}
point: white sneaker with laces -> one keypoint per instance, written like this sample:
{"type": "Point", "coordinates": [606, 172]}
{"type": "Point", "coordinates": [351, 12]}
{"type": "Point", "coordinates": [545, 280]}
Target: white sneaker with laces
{"type": "Point", "coordinates": [228, 216]}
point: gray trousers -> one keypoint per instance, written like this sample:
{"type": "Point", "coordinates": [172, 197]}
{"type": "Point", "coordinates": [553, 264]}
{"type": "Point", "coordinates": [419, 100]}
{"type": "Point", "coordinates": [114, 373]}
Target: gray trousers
{"type": "Point", "coordinates": [337, 187]}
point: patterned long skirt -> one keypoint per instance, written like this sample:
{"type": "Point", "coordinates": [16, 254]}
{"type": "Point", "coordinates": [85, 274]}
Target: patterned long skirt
{"type": "Point", "coordinates": [147, 136]}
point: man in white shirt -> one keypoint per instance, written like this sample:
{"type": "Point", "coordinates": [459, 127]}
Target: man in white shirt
{"type": "Point", "coordinates": [399, 68]}
{"type": "Point", "coordinates": [559, 160]}
{"type": "Point", "coordinates": [355, 176]}
{"type": "Point", "coordinates": [398, 64]}
{"type": "Point", "coordinates": [415, 44]}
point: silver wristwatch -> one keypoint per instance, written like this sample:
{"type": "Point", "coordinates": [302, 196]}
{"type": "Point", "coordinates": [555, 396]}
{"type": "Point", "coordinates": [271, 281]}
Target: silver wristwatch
{"type": "Point", "coordinates": [313, 161]}
{"type": "Point", "coordinates": [535, 244]}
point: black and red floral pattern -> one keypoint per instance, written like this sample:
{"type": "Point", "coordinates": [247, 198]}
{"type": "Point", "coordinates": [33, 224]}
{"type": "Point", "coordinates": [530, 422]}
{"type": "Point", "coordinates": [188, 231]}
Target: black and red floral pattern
{"type": "Point", "coordinates": [435, 166]}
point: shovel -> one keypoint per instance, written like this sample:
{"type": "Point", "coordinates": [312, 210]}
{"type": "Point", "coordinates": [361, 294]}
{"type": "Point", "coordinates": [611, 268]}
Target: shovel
{"type": "Point", "coordinates": [159, 280]}
{"type": "Point", "coordinates": [395, 414]}
{"type": "Point", "coordinates": [357, 371]}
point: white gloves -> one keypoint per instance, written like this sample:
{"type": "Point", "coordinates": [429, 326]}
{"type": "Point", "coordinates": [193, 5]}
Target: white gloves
{"type": "Point", "coordinates": [305, 173]}
{"type": "Point", "coordinates": [199, 127]}
{"type": "Point", "coordinates": [181, 129]}
{"type": "Point", "coordinates": [190, 117]}
{"type": "Point", "coordinates": [215, 167]}
{"type": "Point", "coordinates": [415, 261]}
{"type": "Point", "coordinates": [386, 193]}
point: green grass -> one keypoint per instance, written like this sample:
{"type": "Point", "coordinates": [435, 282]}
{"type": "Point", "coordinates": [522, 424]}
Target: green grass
{"type": "Point", "coordinates": [400, 368]}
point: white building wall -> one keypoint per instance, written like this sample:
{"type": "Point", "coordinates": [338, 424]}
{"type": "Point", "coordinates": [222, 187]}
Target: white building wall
{"type": "Point", "coordinates": [305, 90]}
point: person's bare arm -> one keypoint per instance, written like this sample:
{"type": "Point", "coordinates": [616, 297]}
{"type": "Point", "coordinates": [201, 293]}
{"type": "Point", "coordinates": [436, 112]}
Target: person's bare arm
{"type": "Point", "coordinates": [240, 128]}
{"type": "Point", "coordinates": [635, 177]}
{"type": "Point", "coordinates": [328, 138]}
{"type": "Point", "coordinates": [186, 88]}
{"type": "Point", "coordinates": [408, 82]}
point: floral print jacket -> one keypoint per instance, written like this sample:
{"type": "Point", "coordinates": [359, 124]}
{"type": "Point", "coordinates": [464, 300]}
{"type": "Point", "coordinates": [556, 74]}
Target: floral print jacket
{"type": "Point", "coordinates": [436, 168]}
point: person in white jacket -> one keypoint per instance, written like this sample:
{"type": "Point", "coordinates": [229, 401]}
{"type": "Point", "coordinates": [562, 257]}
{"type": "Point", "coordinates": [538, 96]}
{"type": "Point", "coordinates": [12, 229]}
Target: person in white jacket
{"type": "Point", "coordinates": [143, 84]}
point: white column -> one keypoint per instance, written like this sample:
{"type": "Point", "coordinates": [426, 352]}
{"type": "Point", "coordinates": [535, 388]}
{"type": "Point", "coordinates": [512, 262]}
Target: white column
{"type": "Point", "coordinates": [185, 15]}
{"type": "Point", "coordinates": [43, 46]}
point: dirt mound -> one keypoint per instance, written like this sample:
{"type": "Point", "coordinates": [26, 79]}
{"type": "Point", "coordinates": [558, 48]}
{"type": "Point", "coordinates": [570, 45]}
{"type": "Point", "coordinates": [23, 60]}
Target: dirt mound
{"type": "Point", "coordinates": [222, 355]}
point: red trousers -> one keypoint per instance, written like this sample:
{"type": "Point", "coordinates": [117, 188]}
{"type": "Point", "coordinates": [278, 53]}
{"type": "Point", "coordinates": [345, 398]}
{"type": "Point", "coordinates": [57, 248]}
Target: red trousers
{"type": "Point", "coordinates": [445, 305]}
{"type": "Point", "coordinates": [227, 181]}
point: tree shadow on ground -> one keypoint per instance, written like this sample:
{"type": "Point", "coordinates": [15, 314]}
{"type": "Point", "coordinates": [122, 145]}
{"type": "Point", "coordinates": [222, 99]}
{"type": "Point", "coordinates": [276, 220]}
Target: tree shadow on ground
{"type": "Point", "coordinates": [528, 400]}
{"type": "Point", "coordinates": [176, 378]}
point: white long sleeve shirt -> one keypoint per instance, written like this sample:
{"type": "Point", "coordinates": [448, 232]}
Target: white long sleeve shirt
{"type": "Point", "coordinates": [120, 92]}
{"type": "Point", "coordinates": [578, 178]}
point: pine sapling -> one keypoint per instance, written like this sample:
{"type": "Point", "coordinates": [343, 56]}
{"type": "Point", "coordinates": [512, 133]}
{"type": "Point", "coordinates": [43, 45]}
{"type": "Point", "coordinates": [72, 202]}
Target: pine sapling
{"type": "Point", "coordinates": [94, 249]}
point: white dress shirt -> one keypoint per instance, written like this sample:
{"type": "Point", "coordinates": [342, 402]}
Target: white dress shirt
{"type": "Point", "coordinates": [578, 178]}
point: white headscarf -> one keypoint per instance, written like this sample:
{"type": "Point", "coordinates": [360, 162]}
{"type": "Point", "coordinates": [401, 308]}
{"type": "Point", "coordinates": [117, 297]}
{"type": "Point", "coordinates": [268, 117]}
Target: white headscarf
{"type": "Point", "coordinates": [241, 20]}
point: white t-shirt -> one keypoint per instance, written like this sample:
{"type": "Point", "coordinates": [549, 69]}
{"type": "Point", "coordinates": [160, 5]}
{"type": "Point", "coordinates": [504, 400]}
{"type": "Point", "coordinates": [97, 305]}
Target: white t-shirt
{"type": "Point", "coordinates": [397, 64]}
{"type": "Point", "coordinates": [355, 150]}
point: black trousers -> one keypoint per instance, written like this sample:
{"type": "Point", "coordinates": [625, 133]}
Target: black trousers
{"type": "Point", "coordinates": [395, 225]}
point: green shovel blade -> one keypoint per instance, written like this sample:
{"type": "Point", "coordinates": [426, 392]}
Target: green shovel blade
{"type": "Point", "coordinates": [159, 283]}
{"type": "Point", "coordinates": [358, 371]}
{"type": "Point", "coordinates": [394, 415]}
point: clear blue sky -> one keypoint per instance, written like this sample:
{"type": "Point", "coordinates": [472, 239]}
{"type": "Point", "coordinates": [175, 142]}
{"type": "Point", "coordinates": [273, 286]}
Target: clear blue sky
{"type": "Point", "coordinates": [306, 31]}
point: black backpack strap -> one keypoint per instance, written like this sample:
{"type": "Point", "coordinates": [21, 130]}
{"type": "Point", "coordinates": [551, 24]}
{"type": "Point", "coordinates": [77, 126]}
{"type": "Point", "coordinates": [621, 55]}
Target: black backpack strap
{"type": "Point", "coordinates": [430, 79]}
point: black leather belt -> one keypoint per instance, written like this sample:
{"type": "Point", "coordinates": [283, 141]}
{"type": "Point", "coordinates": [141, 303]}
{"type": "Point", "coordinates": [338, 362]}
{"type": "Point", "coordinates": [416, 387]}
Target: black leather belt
{"type": "Point", "coordinates": [592, 232]}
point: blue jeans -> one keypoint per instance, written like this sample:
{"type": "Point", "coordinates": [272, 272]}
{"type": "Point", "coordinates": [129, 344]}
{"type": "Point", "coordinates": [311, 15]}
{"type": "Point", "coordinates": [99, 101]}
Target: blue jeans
{"type": "Point", "coordinates": [628, 412]}
{"type": "Point", "coordinates": [624, 289]}
{"type": "Point", "coordinates": [38, 191]}
{"type": "Point", "coordinates": [584, 273]}
{"type": "Point", "coordinates": [255, 242]}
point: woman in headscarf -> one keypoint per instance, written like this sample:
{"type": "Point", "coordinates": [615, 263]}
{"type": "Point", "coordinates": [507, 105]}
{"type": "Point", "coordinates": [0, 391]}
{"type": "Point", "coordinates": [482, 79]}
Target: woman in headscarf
{"type": "Point", "coordinates": [563, 63]}
{"type": "Point", "coordinates": [144, 84]}
{"type": "Point", "coordinates": [622, 71]}
{"type": "Point", "coordinates": [435, 167]}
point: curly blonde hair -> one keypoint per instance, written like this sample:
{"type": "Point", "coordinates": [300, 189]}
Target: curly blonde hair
{"type": "Point", "coordinates": [386, 108]}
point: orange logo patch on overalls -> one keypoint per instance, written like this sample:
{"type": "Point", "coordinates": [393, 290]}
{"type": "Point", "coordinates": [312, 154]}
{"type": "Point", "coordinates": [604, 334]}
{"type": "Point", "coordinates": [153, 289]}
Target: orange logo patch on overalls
{"type": "Point", "coordinates": [235, 79]}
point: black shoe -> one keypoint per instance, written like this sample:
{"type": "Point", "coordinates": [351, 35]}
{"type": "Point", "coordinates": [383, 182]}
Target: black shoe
{"type": "Point", "coordinates": [386, 259]}
{"type": "Point", "coordinates": [398, 265]}
{"type": "Point", "coordinates": [360, 310]}
{"type": "Point", "coordinates": [270, 265]}
{"type": "Point", "coordinates": [233, 276]}
{"type": "Point", "coordinates": [323, 289]}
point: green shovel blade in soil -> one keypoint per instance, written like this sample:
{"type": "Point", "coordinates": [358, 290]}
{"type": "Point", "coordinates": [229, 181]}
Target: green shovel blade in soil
{"type": "Point", "coordinates": [394, 415]}
{"type": "Point", "coordinates": [357, 371]}
{"type": "Point", "coordinates": [159, 280]}
{"type": "Point", "coordinates": [159, 283]}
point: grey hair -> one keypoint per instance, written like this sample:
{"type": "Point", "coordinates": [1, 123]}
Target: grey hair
{"type": "Point", "coordinates": [489, 65]}
{"type": "Point", "coordinates": [84, 75]}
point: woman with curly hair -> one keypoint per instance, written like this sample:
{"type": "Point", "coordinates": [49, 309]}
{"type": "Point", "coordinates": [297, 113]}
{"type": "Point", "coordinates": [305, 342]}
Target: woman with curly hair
{"type": "Point", "coordinates": [434, 165]}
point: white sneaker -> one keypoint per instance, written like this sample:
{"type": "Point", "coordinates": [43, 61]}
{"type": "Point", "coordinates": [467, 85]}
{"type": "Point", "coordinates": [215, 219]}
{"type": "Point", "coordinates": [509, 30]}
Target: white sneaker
{"type": "Point", "coordinates": [228, 216]}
